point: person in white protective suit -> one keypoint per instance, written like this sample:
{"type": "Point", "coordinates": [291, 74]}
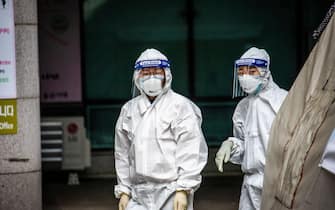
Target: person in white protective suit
{"type": "Point", "coordinates": [160, 149]}
{"type": "Point", "coordinates": [252, 121]}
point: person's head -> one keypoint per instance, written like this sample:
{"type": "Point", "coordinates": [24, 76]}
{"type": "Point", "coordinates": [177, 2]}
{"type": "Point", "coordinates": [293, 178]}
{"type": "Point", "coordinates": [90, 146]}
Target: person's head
{"type": "Point", "coordinates": [152, 74]}
{"type": "Point", "coordinates": [252, 70]}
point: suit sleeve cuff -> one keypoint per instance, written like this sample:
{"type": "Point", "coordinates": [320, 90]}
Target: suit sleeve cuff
{"type": "Point", "coordinates": [119, 189]}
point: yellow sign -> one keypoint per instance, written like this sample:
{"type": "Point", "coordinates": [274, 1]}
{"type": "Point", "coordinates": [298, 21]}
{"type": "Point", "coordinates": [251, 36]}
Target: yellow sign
{"type": "Point", "coordinates": [8, 116]}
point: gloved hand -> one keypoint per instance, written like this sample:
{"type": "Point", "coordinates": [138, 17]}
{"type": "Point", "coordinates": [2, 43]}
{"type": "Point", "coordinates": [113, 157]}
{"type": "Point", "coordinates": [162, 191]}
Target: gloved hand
{"type": "Point", "coordinates": [180, 201]}
{"type": "Point", "coordinates": [223, 155]}
{"type": "Point", "coordinates": [124, 199]}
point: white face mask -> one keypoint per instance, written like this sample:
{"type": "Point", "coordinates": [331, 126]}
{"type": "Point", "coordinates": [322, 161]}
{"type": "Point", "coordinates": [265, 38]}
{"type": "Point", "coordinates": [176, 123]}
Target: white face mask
{"type": "Point", "coordinates": [152, 85]}
{"type": "Point", "coordinates": [250, 84]}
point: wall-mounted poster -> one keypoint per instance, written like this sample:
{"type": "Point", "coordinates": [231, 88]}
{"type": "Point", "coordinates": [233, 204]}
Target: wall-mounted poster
{"type": "Point", "coordinates": [59, 51]}
{"type": "Point", "coordinates": [7, 51]}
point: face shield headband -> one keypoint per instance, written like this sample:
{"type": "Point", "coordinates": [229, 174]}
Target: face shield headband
{"type": "Point", "coordinates": [261, 64]}
{"type": "Point", "coordinates": [152, 63]}
{"type": "Point", "coordinates": [251, 62]}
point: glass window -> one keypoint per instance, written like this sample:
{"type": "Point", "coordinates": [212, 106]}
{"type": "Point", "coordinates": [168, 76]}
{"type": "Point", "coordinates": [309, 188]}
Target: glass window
{"type": "Point", "coordinates": [116, 32]}
{"type": "Point", "coordinates": [225, 29]}
{"type": "Point", "coordinates": [219, 31]}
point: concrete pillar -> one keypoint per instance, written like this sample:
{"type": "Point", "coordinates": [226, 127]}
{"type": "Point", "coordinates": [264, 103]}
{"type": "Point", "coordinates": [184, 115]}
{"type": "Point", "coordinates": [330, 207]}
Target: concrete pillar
{"type": "Point", "coordinates": [20, 155]}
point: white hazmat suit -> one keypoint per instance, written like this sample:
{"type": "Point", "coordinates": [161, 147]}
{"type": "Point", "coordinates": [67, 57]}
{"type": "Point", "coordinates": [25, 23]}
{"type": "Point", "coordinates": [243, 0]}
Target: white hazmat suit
{"type": "Point", "coordinates": [159, 145]}
{"type": "Point", "coordinates": [252, 121]}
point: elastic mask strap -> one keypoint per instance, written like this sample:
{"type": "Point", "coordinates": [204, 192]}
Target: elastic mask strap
{"type": "Point", "coordinates": [258, 89]}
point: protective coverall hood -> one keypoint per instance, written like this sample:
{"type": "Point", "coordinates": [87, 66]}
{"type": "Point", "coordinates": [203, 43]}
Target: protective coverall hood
{"type": "Point", "coordinates": [154, 56]}
{"type": "Point", "coordinates": [257, 53]}
{"type": "Point", "coordinates": [257, 84]}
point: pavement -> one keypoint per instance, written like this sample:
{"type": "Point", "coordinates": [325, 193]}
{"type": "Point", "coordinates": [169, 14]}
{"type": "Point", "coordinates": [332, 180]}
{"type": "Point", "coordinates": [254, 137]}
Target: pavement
{"type": "Point", "coordinates": [215, 193]}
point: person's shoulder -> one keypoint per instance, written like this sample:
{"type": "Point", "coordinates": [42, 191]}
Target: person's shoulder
{"type": "Point", "coordinates": [182, 103]}
{"type": "Point", "coordinates": [243, 102]}
{"type": "Point", "coordinates": [130, 102]}
{"type": "Point", "coordinates": [178, 97]}
{"type": "Point", "coordinates": [276, 97]}
{"type": "Point", "coordinates": [180, 100]}
{"type": "Point", "coordinates": [282, 92]}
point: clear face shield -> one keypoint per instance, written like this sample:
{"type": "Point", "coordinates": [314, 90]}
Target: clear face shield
{"type": "Point", "coordinates": [146, 70]}
{"type": "Point", "coordinates": [248, 72]}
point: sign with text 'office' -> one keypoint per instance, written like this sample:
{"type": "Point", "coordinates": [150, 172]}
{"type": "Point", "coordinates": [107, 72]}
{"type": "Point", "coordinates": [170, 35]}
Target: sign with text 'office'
{"type": "Point", "coordinates": [8, 116]}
